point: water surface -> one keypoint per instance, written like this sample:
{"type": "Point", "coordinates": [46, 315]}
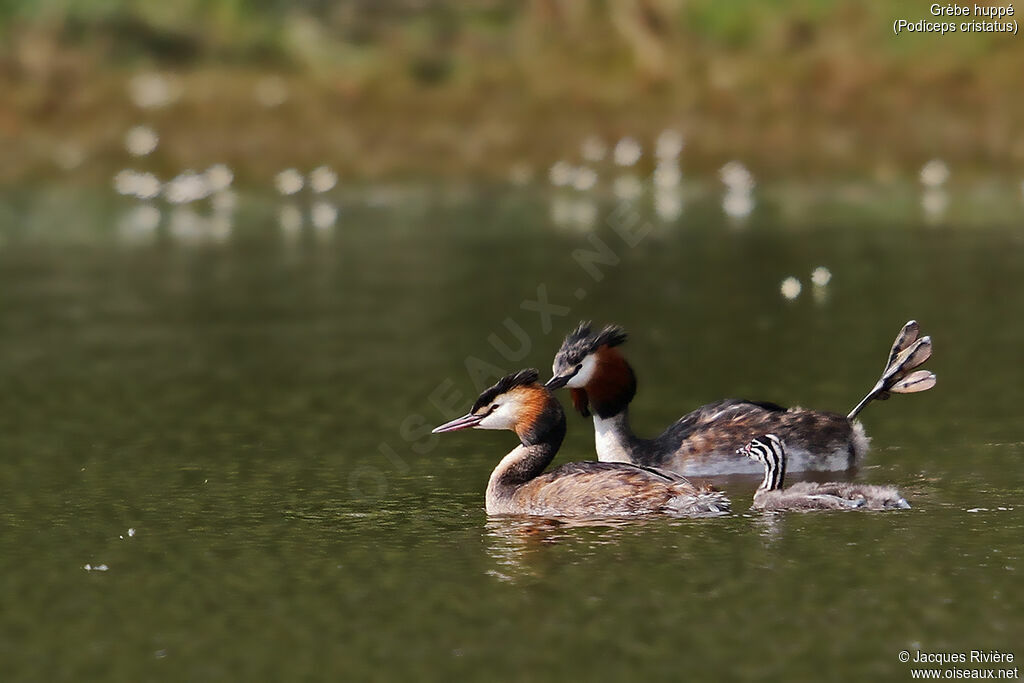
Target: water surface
{"type": "Point", "coordinates": [253, 403]}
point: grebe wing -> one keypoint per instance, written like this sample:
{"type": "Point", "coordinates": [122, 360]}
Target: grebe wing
{"type": "Point", "coordinates": [612, 488]}
{"type": "Point", "coordinates": [724, 421]}
{"type": "Point", "coordinates": [626, 468]}
{"type": "Point", "coordinates": [729, 408]}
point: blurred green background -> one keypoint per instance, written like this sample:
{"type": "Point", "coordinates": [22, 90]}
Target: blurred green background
{"type": "Point", "coordinates": [475, 89]}
{"type": "Point", "coordinates": [242, 244]}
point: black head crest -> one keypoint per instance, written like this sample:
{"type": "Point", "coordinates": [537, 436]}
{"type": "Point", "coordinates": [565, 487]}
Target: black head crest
{"type": "Point", "coordinates": [581, 342]}
{"type": "Point", "coordinates": [523, 378]}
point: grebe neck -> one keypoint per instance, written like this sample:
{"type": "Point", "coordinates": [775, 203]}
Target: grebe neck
{"type": "Point", "coordinates": [539, 444]}
{"type": "Point", "coordinates": [614, 439]}
{"type": "Point", "coordinates": [774, 472]}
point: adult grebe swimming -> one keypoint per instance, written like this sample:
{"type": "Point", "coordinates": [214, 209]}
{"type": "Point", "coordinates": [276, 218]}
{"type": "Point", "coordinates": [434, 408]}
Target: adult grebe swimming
{"type": "Point", "coordinates": [770, 452]}
{"type": "Point", "coordinates": [704, 442]}
{"type": "Point", "coordinates": [519, 485]}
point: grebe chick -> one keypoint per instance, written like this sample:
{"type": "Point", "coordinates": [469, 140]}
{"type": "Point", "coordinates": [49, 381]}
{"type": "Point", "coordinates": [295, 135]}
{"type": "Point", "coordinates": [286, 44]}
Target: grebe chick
{"type": "Point", "coordinates": [519, 485]}
{"type": "Point", "coordinates": [771, 453]}
{"type": "Point", "coordinates": [704, 442]}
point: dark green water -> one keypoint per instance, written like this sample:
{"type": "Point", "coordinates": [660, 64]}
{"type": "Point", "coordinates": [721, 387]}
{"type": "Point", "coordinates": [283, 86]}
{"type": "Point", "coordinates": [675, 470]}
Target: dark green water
{"type": "Point", "coordinates": [256, 409]}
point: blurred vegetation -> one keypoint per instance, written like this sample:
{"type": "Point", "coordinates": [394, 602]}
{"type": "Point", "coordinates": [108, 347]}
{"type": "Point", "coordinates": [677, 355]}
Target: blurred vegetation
{"type": "Point", "coordinates": [392, 88]}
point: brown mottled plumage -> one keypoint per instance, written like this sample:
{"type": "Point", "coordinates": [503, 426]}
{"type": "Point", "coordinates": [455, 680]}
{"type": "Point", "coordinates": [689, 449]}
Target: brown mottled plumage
{"type": "Point", "coordinates": [770, 451]}
{"type": "Point", "coordinates": [519, 484]}
{"type": "Point", "coordinates": [704, 442]}
{"type": "Point", "coordinates": [595, 489]}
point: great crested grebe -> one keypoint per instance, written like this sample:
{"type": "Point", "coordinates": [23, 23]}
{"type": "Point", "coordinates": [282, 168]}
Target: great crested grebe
{"type": "Point", "coordinates": [519, 485]}
{"type": "Point", "coordinates": [771, 453]}
{"type": "Point", "coordinates": [704, 442]}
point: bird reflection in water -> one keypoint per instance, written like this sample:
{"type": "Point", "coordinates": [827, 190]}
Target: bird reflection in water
{"type": "Point", "coordinates": [518, 544]}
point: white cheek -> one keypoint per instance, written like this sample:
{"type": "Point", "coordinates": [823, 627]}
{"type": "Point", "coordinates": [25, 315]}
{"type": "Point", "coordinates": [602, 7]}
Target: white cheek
{"type": "Point", "coordinates": [502, 418]}
{"type": "Point", "coordinates": [586, 373]}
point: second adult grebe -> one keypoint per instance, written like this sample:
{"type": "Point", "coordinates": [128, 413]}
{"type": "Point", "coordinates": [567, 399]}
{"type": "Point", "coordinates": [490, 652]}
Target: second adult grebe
{"type": "Point", "coordinates": [519, 485]}
{"type": "Point", "coordinates": [704, 442]}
